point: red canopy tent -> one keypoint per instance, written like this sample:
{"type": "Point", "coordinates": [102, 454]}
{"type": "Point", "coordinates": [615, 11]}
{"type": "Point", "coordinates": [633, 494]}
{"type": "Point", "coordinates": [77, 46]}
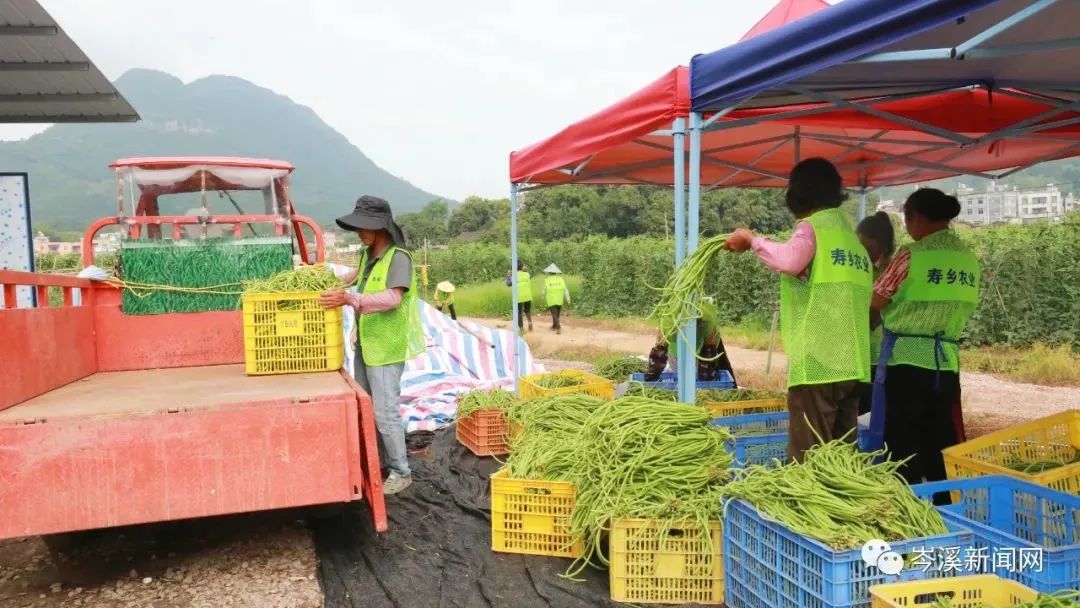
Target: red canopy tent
{"type": "Point", "coordinates": [951, 107]}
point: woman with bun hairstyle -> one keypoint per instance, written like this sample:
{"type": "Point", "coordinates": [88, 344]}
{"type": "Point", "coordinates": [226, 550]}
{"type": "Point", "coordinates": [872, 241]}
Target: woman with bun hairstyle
{"type": "Point", "coordinates": [876, 233]}
{"type": "Point", "coordinates": [925, 297]}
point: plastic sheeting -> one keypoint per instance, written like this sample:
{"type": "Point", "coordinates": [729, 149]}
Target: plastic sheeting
{"type": "Point", "coordinates": [437, 552]}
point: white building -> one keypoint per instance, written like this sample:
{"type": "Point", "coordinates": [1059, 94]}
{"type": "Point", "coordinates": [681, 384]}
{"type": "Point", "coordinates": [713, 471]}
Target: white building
{"type": "Point", "coordinates": [1001, 204]}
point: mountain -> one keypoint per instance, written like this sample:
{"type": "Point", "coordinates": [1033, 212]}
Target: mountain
{"type": "Point", "coordinates": [70, 183]}
{"type": "Point", "coordinates": [1065, 174]}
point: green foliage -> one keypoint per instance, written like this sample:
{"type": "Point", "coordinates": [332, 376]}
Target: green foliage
{"type": "Point", "coordinates": [427, 224]}
{"type": "Point", "coordinates": [477, 214]}
{"type": "Point", "coordinates": [1030, 292]}
{"type": "Point", "coordinates": [493, 298]}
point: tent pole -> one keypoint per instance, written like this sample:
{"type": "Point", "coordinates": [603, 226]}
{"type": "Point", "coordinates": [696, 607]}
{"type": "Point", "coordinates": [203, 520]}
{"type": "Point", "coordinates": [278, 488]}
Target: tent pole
{"type": "Point", "coordinates": [862, 202]}
{"type": "Point", "coordinates": [688, 353]}
{"type": "Point", "coordinates": [518, 339]}
{"type": "Point", "coordinates": [679, 182]}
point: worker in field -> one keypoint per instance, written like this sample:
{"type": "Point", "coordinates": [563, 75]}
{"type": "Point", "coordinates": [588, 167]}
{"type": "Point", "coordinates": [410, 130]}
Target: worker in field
{"type": "Point", "coordinates": [925, 297]}
{"type": "Point", "coordinates": [555, 295]}
{"type": "Point", "coordinates": [444, 298]}
{"type": "Point", "coordinates": [876, 233]}
{"type": "Point", "coordinates": [712, 357]}
{"type": "Point", "coordinates": [388, 325]}
{"type": "Point", "coordinates": [825, 283]}
{"type": "Point", "coordinates": [524, 294]}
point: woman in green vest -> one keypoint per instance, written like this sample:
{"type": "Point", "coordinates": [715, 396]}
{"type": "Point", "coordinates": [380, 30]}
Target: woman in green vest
{"type": "Point", "coordinates": [555, 294]}
{"type": "Point", "coordinates": [388, 326]}
{"type": "Point", "coordinates": [925, 297]}
{"type": "Point", "coordinates": [876, 233]}
{"type": "Point", "coordinates": [524, 293]}
{"type": "Point", "coordinates": [825, 281]}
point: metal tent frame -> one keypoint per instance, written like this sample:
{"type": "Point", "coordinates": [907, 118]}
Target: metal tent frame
{"type": "Point", "coordinates": [809, 98]}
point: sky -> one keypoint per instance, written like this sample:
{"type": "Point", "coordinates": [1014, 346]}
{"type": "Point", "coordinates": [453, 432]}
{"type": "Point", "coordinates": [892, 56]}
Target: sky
{"type": "Point", "coordinates": [435, 91]}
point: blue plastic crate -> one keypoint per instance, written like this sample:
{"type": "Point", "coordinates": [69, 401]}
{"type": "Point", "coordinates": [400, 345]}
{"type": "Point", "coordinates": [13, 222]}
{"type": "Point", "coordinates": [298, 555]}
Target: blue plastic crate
{"type": "Point", "coordinates": [766, 565]}
{"type": "Point", "coordinates": [1008, 513]}
{"type": "Point", "coordinates": [768, 449]}
{"type": "Point", "coordinates": [669, 381]}
{"type": "Point", "coordinates": [755, 424]}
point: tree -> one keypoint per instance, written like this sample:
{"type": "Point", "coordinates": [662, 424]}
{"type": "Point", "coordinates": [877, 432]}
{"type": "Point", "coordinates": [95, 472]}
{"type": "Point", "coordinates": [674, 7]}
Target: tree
{"type": "Point", "coordinates": [429, 223]}
{"type": "Point", "coordinates": [477, 215]}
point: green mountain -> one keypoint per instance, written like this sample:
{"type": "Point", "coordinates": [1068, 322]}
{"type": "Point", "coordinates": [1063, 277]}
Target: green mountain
{"type": "Point", "coordinates": [70, 183]}
{"type": "Point", "coordinates": [1065, 174]}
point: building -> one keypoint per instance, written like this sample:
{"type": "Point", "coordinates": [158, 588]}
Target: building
{"type": "Point", "coordinates": [1000, 204]}
{"type": "Point", "coordinates": [42, 244]}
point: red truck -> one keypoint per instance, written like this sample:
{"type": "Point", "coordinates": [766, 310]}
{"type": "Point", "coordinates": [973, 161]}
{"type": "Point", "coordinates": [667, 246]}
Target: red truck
{"type": "Point", "coordinates": [108, 419]}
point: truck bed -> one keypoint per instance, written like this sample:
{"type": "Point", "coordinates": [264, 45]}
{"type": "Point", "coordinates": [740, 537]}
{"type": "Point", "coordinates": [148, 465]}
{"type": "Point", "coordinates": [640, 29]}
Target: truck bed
{"type": "Point", "coordinates": [157, 391]}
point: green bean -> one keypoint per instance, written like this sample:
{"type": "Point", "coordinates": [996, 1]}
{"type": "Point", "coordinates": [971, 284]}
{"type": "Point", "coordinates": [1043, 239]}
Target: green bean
{"type": "Point", "coordinates": [839, 496]}
{"type": "Point", "coordinates": [552, 381]}
{"type": "Point", "coordinates": [681, 297]}
{"type": "Point", "coordinates": [1061, 599]}
{"type": "Point", "coordinates": [317, 278]}
{"type": "Point", "coordinates": [618, 370]}
{"type": "Point", "coordinates": [494, 399]}
{"type": "Point", "coordinates": [1039, 466]}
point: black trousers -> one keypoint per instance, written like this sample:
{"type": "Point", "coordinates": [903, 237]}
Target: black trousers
{"type": "Point", "coordinates": [524, 310]}
{"type": "Point", "coordinates": [919, 419]}
{"type": "Point", "coordinates": [453, 313]}
{"type": "Point", "coordinates": [556, 312]}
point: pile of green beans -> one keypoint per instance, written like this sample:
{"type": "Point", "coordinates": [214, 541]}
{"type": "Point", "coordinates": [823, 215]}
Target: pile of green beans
{"type": "Point", "coordinates": [317, 278]}
{"type": "Point", "coordinates": [681, 297]}
{"type": "Point", "coordinates": [642, 458]}
{"type": "Point", "coordinates": [562, 413]}
{"type": "Point", "coordinates": [839, 496]}
{"type": "Point", "coordinates": [737, 394]}
{"type": "Point", "coordinates": [618, 370]}
{"type": "Point", "coordinates": [551, 426]}
{"type": "Point", "coordinates": [557, 381]}
{"type": "Point", "coordinates": [1039, 466]}
{"type": "Point", "coordinates": [494, 399]}
{"type": "Point", "coordinates": [1061, 599]}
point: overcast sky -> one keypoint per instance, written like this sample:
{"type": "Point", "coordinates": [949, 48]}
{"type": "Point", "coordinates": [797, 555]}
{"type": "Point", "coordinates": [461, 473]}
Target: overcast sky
{"type": "Point", "coordinates": [436, 91]}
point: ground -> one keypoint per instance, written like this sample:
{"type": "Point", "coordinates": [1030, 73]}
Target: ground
{"type": "Point", "coordinates": [268, 560]}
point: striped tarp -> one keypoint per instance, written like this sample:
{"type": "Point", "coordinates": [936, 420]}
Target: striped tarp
{"type": "Point", "coordinates": [459, 357]}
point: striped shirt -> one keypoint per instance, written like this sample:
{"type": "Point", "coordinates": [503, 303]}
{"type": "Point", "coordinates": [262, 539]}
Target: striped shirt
{"type": "Point", "coordinates": [893, 277]}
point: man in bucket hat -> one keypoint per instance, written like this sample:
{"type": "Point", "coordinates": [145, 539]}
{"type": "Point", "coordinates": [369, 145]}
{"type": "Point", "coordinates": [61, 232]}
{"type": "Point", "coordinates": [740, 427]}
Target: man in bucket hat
{"type": "Point", "coordinates": [388, 325]}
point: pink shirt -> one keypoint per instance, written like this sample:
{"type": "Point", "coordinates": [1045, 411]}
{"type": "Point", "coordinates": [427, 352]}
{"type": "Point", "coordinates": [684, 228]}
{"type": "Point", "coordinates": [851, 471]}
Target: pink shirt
{"type": "Point", "coordinates": [374, 302]}
{"type": "Point", "coordinates": [792, 257]}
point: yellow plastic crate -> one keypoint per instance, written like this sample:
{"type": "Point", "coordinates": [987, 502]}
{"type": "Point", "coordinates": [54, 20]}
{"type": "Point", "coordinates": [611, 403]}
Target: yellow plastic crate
{"type": "Point", "coordinates": [532, 517]}
{"type": "Point", "coordinates": [290, 333]}
{"type": "Point", "coordinates": [1056, 437]}
{"type": "Point", "coordinates": [598, 387]}
{"type": "Point", "coordinates": [986, 591]}
{"type": "Point", "coordinates": [680, 567]}
{"type": "Point", "coordinates": [721, 409]}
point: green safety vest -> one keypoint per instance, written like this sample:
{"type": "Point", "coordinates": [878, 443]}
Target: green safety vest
{"type": "Point", "coordinates": [938, 297]}
{"type": "Point", "coordinates": [447, 298]}
{"type": "Point", "coordinates": [391, 336]}
{"type": "Point", "coordinates": [524, 289]}
{"type": "Point", "coordinates": [555, 288]}
{"type": "Point", "coordinates": [825, 322]}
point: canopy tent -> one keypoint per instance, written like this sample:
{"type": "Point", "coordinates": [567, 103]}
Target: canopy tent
{"type": "Point", "coordinates": [944, 104]}
{"type": "Point", "coordinates": [46, 76]}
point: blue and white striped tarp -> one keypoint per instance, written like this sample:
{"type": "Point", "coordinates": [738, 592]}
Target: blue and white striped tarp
{"type": "Point", "coordinates": [459, 357]}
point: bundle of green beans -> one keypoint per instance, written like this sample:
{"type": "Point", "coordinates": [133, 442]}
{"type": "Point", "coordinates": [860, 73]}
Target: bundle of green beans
{"type": "Point", "coordinates": [737, 394]}
{"type": "Point", "coordinates": [840, 497]}
{"type": "Point", "coordinates": [557, 381]}
{"type": "Point", "coordinates": [1061, 599]}
{"type": "Point", "coordinates": [618, 370]}
{"type": "Point", "coordinates": [642, 458]}
{"type": "Point", "coordinates": [682, 296]}
{"type": "Point", "coordinates": [548, 441]}
{"type": "Point", "coordinates": [493, 399]}
{"type": "Point", "coordinates": [317, 278]}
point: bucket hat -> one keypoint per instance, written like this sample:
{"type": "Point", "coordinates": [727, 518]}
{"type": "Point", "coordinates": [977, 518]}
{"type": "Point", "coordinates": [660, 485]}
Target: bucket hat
{"type": "Point", "coordinates": [372, 213]}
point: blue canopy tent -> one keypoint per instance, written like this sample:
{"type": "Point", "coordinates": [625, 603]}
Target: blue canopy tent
{"type": "Point", "coordinates": [860, 54]}
{"type": "Point", "coordinates": [893, 92]}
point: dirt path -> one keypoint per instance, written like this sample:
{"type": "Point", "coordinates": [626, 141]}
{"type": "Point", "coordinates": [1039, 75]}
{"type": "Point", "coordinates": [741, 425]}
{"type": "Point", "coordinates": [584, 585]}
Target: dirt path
{"type": "Point", "coordinates": [990, 403]}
